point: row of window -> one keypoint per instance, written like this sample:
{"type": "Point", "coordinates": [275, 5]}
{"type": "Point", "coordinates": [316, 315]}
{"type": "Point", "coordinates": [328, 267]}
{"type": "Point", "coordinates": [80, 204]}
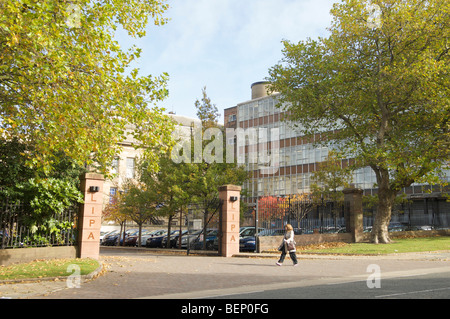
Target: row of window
{"type": "Point", "coordinates": [363, 178]}
{"type": "Point", "coordinates": [290, 156]}
{"type": "Point", "coordinates": [256, 109]}
{"type": "Point", "coordinates": [115, 169]}
{"type": "Point", "coordinates": [280, 184]}
{"type": "Point", "coordinates": [129, 170]}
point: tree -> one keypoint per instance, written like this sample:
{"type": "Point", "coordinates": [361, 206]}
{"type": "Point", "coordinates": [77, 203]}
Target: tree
{"type": "Point", "coordinates": [112, 212]}
{"type": "Point", "coordinates": [66, 85]}
{"type": "Point", "coordinates": [271, 207]}
{"type": "Point", "coordinates": [43, 196]}
{"type": "Point", "coordinates": [206, 111]}
{"type": "Point", "coordinates": [377, 90]}
{"type": "Point", "coordinates": [138, 203]}
{"type": "Point", "coordinates": [212, 171]}
{"type": "Point", "coordinates": [168, 187]}
{"type": "Point", "coordinates": [330, 178]}
{"type": "Point", "coordinates": [299, 205]}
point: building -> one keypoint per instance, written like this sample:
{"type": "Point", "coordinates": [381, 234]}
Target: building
{"type": "Point", "coordinates": [298, 156]}
{"type": "Point", "coordinates": [124, 164]}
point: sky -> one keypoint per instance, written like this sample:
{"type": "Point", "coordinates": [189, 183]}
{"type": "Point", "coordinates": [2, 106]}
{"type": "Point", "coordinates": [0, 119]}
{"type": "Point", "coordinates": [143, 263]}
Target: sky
{"type": "Point", "coordinates": [225, 46]}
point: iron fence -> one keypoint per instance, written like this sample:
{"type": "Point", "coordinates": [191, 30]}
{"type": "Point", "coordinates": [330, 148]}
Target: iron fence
{"type": "Point", "coordinates": [424, 214]}
{"type": "Point", "coordinates": [306, 216]}
{"type": "Point", "coordinates": [309, 216]}
{"type": "Point", "coordinates": [19, 229]}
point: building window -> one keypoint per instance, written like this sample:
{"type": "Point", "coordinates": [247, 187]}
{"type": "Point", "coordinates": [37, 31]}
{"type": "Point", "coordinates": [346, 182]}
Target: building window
{"type": "Point", "coordinates": [112, 194]}
{"type": "Point", "coordinates": [115, 166]}
{"type": "Point", "coordinates": [130, 167]}
{"type": "Point", "coordinates": [232, 118]}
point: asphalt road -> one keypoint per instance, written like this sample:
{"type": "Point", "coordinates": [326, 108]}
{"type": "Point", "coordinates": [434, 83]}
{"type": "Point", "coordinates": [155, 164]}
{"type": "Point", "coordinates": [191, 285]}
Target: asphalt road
{"type": "Point", "coordinates": [427, 286]}
{"type": "Point", "coordinates": [132, 274]}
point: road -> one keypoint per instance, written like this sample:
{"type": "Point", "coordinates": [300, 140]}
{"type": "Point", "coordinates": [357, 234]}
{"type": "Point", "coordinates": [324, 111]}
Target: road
{"type": "Point", "coordinates": [427, 286]}
{"type": "Point", "coordinates": [144, 274]}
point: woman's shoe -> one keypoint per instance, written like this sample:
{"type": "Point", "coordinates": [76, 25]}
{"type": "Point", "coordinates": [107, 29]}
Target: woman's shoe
{"type": "Point", "coordinates": [278, 264]}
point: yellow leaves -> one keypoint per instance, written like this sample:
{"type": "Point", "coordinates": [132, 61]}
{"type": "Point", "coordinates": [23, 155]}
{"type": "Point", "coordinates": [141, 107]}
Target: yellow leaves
{"type": "Point", "coordinates": [14, 40]}
{"type": "Point", "coordinates": [67, 86]}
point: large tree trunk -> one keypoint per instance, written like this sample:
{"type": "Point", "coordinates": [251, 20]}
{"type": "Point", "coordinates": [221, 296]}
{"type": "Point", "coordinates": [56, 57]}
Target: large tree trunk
{"type": "Point", "coordinates": [386, 197]}
{"type": "Point", "coordinates": [380, 232]}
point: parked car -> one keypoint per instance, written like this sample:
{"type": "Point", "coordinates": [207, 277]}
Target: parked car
{"type": "Point", "coordinates": [132, 240]}
{"type": "Point", "coordinates": [367, 229]}
{"type": "Point", "coordinates": [156, 241]}
{"type": "Point", "coordinates": [278, 232]}
{"type": "Point", "coordinates": [113, 239]}
{"type": "Point", "coordinates": [333, 229]}
{"type": "Point", "coordinates": [393, 227]}
{"type": "Point", "coordinates": [247, 239]}
{"type": "Point", "coordinates": [174, 239]}
{"type": "Point", "coordinates": [110, 239]}
{"type": "Point", "coordinates": [245, 231]}
{"type": "Point", "coordinates": [249, 231]}
{"type": "Point", "coordinates": [153, 233]}
{"type": "Point", "coordinates": [210, 236]}
{"type": "Point", "coordinates": [103, 234]}
{"type": "Point", "coordinates": [424, 227]}
{"type": "Point", "coordinates": [128, 233]}
{"type": "Point", "coordinates": [191, 237]}
{"type": "Point", "coordinates": [247, 243]}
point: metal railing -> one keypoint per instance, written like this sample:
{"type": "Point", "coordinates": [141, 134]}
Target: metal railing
{"type": "Point", "coordinates": [330, 217]}
{"type": "Point", "coordinates": [414, 215]}
{"type": "Point", "coordinates": [305, 216]}
{"type": "Point", "coordinates": [18, 227]}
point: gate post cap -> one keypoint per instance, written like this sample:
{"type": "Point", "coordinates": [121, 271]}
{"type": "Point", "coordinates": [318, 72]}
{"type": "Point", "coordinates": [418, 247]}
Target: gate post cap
{"type": "Point", "coordinates": [229, 187]}
{"type": "Point", "coordinates": [92, 176]}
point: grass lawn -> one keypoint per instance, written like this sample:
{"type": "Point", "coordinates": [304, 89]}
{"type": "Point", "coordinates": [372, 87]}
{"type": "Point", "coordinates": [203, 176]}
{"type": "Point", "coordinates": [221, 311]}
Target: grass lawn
{"type": "Point", "coordinates": [47, 268]}
{"type": "Point", "coordinates": [406, 245]}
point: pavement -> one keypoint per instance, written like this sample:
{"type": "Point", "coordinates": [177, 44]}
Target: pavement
{"type": "Point", "coordinates": [154, 274]}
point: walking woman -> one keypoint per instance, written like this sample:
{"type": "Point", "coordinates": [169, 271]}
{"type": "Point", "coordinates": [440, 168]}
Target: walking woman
{"type": "Point", "coordinates": [288, 245]}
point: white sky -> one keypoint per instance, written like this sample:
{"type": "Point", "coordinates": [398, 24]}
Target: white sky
{"type": "Point", "coordinates": [225, 45]}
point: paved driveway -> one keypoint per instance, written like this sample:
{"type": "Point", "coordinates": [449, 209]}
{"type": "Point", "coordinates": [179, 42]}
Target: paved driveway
{"type": "Point", "coordinates": [144, 274]}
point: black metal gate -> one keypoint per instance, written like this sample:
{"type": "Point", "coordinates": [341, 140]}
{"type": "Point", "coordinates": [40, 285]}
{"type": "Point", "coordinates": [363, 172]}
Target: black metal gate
{"type": "Point", "coordinates": [208, 238]}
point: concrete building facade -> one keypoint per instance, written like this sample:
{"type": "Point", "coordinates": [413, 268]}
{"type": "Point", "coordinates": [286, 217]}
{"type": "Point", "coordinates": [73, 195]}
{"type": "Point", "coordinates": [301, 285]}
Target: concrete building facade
{"type": "Point", "coordinates": [298, 156]}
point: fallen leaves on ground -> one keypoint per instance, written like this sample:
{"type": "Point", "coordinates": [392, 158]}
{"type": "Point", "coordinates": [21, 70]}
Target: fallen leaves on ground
{"type": "Point", "coordinates": [315, 246]}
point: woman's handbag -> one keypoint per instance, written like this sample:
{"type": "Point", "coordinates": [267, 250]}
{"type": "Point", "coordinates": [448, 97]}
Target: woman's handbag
{"type": "Point", "coordinates": [290, 246]}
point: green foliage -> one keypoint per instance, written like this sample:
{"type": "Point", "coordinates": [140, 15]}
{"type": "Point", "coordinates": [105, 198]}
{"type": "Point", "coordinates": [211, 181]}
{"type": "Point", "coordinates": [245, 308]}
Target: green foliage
{"type": "Point", "coordinates": [51, 195]}
{"type": "Point", "coordinates": [43, 197]}
{"type": "Point", "coordinates": [13, 169]}
{"type": "Point", "coordinates": [206, 111]}
{"type": "Point", "coordinates": [66, 85]}
{"type": "Point", "coordinates": [379, 91]}
{"type": "Point", "coordinates": [331, 178]}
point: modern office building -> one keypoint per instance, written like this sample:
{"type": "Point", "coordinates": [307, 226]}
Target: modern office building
{"type": "Point", "coordinates": [298, 156]}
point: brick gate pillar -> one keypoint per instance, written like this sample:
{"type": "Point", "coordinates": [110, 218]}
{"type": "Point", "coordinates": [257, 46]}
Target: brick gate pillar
{"type": "Point", "coordinates": [230, 197]}
{"type": "Point", "coordinates": [90, 216]}
{"type": "Point", "coordinates": [354, 219]}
